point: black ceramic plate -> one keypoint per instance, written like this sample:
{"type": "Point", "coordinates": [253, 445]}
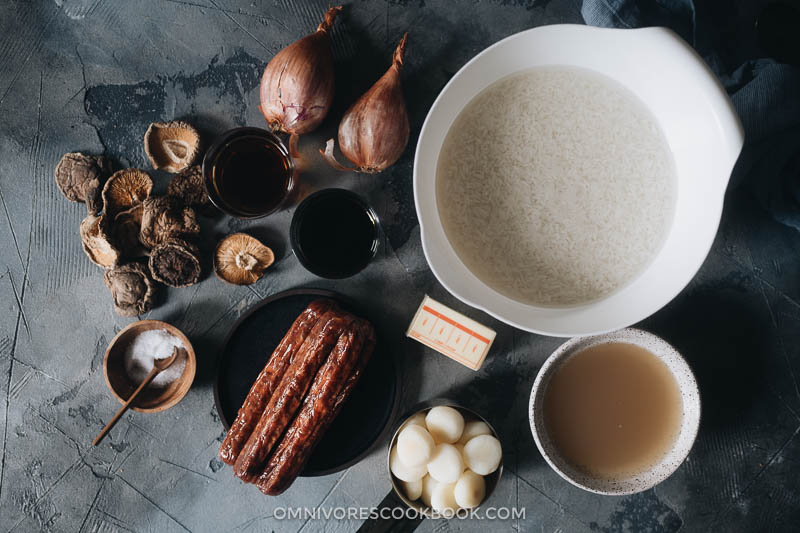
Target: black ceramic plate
{"type": "Point", "coordinates": [362, 420]}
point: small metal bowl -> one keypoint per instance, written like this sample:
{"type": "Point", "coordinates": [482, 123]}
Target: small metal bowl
{"type": "Point", "coordinates": [150, 400]}
{"type": "Point", "coordinates": [492, 480]}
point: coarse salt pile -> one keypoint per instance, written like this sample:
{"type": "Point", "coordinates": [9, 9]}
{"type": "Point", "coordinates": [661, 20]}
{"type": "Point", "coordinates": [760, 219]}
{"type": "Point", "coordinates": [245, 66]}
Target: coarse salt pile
{"type": "Point", "coordinates": [145, 349]}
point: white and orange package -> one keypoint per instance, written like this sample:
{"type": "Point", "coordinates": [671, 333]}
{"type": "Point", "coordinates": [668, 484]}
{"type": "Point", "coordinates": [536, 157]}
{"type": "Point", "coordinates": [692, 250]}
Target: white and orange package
{"type": "Point", "coordinates": [450, 333]}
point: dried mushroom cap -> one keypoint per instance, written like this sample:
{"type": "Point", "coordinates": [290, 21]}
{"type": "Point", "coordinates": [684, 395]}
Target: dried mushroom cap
{"type": "Point", "coordinates": [97, 242]}
{"type": "Point", "coordinates": [131, 288]}
{"type": "Point", "coordinates": [241, 259]}
{"type": "Point", "coordinates": [126, 188]}
{"type": "Point", "coordinates": [126, 227]}
{"type": "Point", "coordinates": [80, 178]}
{"type": "Point", "coordinates": [175, 263]}
{"type": "Point", "coordinates": [171, 146]}
{"type": "Point", "coordinates": [165, 217]}
{"type": "Point", "coordinates": [188, 186]}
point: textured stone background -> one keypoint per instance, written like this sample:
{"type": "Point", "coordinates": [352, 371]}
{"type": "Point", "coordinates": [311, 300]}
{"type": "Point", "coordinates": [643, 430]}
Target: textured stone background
{"type": "Point", "coordinates": [91, 75]}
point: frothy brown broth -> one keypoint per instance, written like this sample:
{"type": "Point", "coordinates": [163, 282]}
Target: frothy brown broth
{"type": "Point", "coordinates": [613, 410]}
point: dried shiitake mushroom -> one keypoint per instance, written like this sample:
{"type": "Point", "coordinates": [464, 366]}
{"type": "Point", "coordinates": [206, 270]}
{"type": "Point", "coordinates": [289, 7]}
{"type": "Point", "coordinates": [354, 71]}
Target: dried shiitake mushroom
{"type": "Point", "coordinates": [175, 263]}
{"type": "Point", "coordinates": [125, 189]}
{"type": "Point", "coordinates": [188, 186]}
{"type": "Point", "coordinates": [171, 146]}
{"type": "Point", "coordinates": [241, 259]}
{"type": "Point", "coordinates": [165, 217]}
{"type": "Point", "coordinates": [97, 241]}
{"type": "Point", "coordinates": [126, 227]}
{"type": "Point", "coordinates": [131, 288]}
{"type": "Point", "coordinates": [80, 178]}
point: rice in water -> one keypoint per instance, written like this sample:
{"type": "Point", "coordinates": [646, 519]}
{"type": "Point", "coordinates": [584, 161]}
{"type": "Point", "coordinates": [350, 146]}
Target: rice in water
{"type": "Point", "coordinates": [555, 186]}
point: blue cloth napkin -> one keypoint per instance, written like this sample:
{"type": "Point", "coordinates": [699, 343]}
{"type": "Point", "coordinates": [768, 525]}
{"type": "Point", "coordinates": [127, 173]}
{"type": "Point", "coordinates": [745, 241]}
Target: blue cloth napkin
{"type": "Point", "coordinates": [766, 94]}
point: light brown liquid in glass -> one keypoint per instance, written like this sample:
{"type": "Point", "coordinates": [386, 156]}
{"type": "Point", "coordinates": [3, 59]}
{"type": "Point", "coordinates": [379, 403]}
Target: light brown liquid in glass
{"type": "Point", "coordinates": [613, 410]}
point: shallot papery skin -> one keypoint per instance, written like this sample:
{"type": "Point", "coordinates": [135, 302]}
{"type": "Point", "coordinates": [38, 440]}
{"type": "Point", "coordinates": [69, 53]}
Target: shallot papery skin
{"type": "Point", "coordinates": [297, 85]}
{"type": "Point", "coordinates": [374, 132]}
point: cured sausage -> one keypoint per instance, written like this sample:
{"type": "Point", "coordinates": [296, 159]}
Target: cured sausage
{"type": "Point", "coordinates": [331, 387]}
{"type": "Point", "coordinates": [289, 393]}
{"type": "Point", "coordinates": [268, 379]}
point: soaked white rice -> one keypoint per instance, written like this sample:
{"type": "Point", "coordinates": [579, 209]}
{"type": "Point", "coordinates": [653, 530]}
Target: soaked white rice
{"type": "Point", "coordinates": [556, 186]}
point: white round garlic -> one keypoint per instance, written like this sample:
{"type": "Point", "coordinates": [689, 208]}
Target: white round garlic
{"type": "Point", "coordinates": [412, 489]}
{"type": "Point", "coordinates": [402, 471]}
{"type": "Point", "coordinates": [482, 454]}
{"type": "Point", "coordinates": [445, 424]}
{"type": "Point", "coordinates": [446, 464]}
{"type": "Point", "coordinates": [443, 499]}
{"type": "Point", "coordinates": [473, 429]}
{"type": "Point", "coordinates": [470, 490]}
{"type": "Point", "coordinates": [428, 484]}
{"type": "Point", "coordinates": [416, 419]}
{"type": "Point", "coordinates": [414, 445]}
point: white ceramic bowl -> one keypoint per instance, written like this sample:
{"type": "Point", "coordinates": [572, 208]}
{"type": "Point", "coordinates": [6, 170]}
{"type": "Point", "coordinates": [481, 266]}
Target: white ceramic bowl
{"type": "Point", "coordinates": [682, 445]}
{"type": "Point", "coordinates": [696, 116]}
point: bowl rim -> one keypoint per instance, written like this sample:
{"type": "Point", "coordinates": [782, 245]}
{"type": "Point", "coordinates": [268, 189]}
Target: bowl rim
{"type": "Point", "coordinates": [182, 391]}
{"type": "Point", "coordinates": [481, 299]}
{"type": "Point", "coordinates": [634, 336]}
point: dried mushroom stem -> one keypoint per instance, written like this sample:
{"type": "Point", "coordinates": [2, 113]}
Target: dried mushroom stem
{"type": "Point", "coordinates": [175, 263]}
{"type": "Point", "coordinates": [241, 259]}
{"type": "Point", "coordinates": [80, 178]}
{"type": "Point", "coordinates": [97, 242]}
{"type": "Point", "coordinates": [165, 217]}
{"type": "Point", "coordinates": [131, 288]}
{"type": "Point", "coordinates": [171, 146]}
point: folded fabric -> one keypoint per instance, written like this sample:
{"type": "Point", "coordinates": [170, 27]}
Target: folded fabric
{"type": "Point", "coordinates": [766, 93]}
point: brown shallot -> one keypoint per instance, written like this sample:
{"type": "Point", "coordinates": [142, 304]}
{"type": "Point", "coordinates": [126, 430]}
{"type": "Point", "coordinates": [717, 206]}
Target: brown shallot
{"type": "Point", "coordinates": [374, 132]}
{"type": "Point", "coordinates": [297, 85]}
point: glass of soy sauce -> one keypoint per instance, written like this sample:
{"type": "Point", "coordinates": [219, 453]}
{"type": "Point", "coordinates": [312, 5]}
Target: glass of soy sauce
{"type": "Point", "coordinates": [334, 233]}
{"type": "Point", "coordinates": [248, 172]}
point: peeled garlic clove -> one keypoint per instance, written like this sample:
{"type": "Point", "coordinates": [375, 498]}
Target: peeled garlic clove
{"type": "Point", "coordinates": [473, 429]}
{"type": "Point", "coordinates": [470, 490]}
{"type": "Point", "coordinates": [460, 448]}
{"type": "Point", "coordinates": [445, 424]}
{"type": "Point", "coordinates": [428, 486]}
{"type": "Point", "coordinates": [482, 454]}
{"type": "Point", "coordinates": [443, 499]}
{"type": "Point", "coordinates": [417, 419]}
{"type": "Point", "coordinates": [412, 489]}
{"type": "Point", "coordinates": [415, 445]}
{"type": "Point", "coordinates": [402, 471]}
{"type": "Point", "coordinates": [446, 464]}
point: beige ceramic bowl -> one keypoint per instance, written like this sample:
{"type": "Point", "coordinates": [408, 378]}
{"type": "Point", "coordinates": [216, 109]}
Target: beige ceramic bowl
{"type": "Point", "coordinates": [682, 445]}
{"type": "Point", "coordinates": [151, 400]}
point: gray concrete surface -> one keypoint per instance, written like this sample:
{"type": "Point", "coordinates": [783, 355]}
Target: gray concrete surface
{"type": "Point", "coordinates": [91, 75]}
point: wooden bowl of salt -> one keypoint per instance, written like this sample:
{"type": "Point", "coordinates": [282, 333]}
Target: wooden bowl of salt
{"type": "Point", "coordinates": [129, 358]}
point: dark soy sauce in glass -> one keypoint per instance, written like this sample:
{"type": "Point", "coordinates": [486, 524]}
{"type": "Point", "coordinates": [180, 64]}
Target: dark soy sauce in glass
{"type": "Point", "coordinates": [334, 233]}
{"type": "Point", "coordinates": [248, 172]}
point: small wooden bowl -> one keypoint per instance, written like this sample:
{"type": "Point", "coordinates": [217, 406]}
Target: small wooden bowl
{"type": "Point", "coordinates": [150, 400]}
